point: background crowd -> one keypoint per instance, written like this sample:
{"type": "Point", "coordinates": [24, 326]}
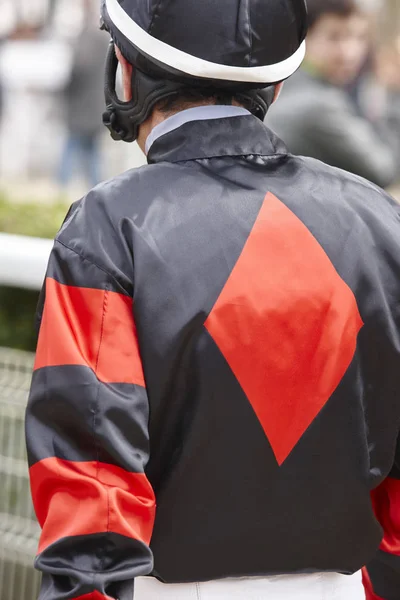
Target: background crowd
{"type": "Point", "coordinates": [342, 107]}
{"type": "Point", "coordinates": [51, 86]}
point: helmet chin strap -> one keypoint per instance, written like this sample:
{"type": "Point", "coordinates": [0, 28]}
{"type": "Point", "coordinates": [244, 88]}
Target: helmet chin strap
{"type": "Point", "coordinates": [123, 119]}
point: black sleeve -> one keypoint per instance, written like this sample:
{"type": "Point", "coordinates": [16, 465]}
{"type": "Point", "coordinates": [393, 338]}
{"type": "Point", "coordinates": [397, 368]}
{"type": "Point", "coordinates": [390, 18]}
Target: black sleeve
{"type": "Point", "coordinates": [87, 437]}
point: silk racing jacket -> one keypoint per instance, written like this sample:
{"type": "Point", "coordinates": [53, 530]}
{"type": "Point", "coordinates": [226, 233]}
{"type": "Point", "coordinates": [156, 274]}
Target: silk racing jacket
{"type": "Point", "coordinates": [217, 382]}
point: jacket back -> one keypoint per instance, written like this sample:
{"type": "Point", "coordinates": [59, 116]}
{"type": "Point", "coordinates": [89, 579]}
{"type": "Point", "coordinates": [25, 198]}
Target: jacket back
{"type": "Point", "coordinates": [259, 404]}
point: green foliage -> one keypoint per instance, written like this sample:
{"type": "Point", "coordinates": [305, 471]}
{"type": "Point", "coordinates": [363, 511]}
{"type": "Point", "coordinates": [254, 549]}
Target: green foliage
{"type": "Point", "coordinates": [17, 311]}
{"type": "Point", "coordinates": [18, 307]}
{"type": "Point", "coordinates": [35, 220]}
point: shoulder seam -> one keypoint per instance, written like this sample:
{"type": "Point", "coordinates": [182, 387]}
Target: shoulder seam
{"type": "Point", "coordinates": [58, 241]}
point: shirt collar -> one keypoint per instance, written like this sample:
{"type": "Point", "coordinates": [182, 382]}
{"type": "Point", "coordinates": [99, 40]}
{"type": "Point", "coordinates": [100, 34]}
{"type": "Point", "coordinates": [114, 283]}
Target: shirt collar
{"type": "Point", "coordinates": [199, 113]}
{"type": "Point", "coordinates": [212, 138]}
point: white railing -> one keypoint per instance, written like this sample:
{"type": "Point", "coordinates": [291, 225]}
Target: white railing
{"type": "Point", "coordinates": [23, 261]}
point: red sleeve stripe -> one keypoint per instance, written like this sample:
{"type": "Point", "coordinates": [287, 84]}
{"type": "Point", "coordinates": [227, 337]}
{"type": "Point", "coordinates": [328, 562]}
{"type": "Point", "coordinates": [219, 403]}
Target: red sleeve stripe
{"type": "Point", "coordinates": [386, 503]}
{"type": "Point", "coordinates": [369, 590]}
{"type": "Point", "coordinates": [94, 328]}
{"type": "Point", "coordinates": [84, 498]}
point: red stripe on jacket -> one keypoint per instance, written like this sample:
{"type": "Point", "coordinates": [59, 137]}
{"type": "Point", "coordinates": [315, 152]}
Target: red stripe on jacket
{"type": "Point", "coordinates": [369, 590]}
{"type": "Point", "coordinates": [90, 327]}
{"type": "Point", "coordinates": [84, 498]}
{"type": "Point", "coordinates": [287, 324]}
{"type": "Point", "coordinates": [386, 503]}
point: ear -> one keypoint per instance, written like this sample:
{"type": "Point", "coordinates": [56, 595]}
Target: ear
{"type": "Point", "coordinates": [278, 89]}
{"type": "Point", "coordinates": [127, 69]}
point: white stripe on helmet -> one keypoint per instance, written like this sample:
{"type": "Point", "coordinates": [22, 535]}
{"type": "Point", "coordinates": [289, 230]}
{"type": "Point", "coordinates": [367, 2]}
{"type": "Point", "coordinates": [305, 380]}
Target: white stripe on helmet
{"type": "Point", "coordinates": [197, 67]}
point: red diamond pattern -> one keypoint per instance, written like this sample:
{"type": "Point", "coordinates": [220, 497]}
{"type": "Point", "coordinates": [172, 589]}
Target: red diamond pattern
{"type": "Point", "coordinates": [287, 324]}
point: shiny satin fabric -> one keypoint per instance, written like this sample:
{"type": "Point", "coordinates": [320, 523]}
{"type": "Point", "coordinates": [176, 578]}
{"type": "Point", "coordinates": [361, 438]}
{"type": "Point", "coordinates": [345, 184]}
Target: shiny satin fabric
{"type": "Point", "coordinates": [233, 32]}
{"type": "Point", "coordinates": [221, 335]}
{"type": "Point", "coordinates": [317, 586]}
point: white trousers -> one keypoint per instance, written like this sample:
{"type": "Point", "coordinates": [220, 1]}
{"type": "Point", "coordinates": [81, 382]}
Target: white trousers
{"type": "Point", "coordinates": [318, 586]}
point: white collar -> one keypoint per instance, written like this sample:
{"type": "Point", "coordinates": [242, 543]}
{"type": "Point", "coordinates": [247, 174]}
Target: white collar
{"type": "Point", "coordinates": [199, 113]}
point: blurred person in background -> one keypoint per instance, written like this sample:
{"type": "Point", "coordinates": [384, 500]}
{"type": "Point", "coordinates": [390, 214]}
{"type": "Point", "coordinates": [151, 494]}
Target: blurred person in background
{"type": "Point", "coordinates": [33, 69]}
{"type": "Point", "coordinates": [381, 90]}
{"type": "Point", "coordinates": [84, 100]}
{"type": "Point", "coordinates": [316, 116]}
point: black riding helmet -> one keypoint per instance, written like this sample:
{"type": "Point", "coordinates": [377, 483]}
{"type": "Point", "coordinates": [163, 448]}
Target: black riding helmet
{"type": "Point", "coordinates": [243, 47]}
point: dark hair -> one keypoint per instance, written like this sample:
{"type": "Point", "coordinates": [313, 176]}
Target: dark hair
{"type": "Point", "coordinates": [319, 8]}
{"type": "Point", "coordinates": [190, 95]}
